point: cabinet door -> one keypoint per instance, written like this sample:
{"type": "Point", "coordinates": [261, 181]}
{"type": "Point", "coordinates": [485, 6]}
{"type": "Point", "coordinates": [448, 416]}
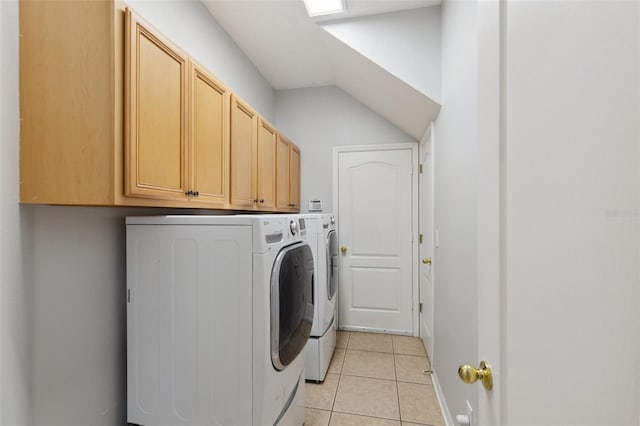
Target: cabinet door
{"type": "Point", "coordinates": [209, 138]}
{"type": "Point", "coordinates": [294, 187]}
{"type": "Point", "coordinates": [243, 159]}
{"type": "Point", "coordinates": [155, 114]}
{"type": "Point", "coordinates": [266, 166]}
{"type": "Point", "coordinates": [282, 174]}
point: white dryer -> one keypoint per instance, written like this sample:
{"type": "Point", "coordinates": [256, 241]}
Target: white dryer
{"type": "Point", "coordinates": [219, 309]}
{"type": "Point", "coordinates": [322, 238]}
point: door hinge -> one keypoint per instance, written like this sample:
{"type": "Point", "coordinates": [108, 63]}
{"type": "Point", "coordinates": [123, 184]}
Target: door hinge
{"type": "Point", "coordinates": [420, 238]}
{"type": "Point", "coordinates": [419, 168]}
{"type": "Point", "coordinates": [128, 295]}
{"type": "Point", "coordinates": [420, 307]}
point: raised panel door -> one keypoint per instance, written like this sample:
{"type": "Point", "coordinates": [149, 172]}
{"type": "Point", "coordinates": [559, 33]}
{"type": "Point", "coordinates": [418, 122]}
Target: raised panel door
{"type": "Point", "coordinates": [282, 173]}
{"type": "Point", "coordinates": [156, 114]}
{"type": "Point", "coordinates": [294, 182]}
{"type": "Point", "coordinates": [208, 138]}
{"type": "Point", "coordinates": [375, 227]}
{"type": "Point", "coordinates": [266, 166]}
{"type": "Point", "coordinates": [242, 162]}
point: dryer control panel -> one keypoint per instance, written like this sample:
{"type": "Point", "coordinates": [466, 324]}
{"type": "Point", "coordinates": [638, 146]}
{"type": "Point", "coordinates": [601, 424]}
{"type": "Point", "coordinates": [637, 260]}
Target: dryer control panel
{"type": "Point", "coordinates": [273, 231]}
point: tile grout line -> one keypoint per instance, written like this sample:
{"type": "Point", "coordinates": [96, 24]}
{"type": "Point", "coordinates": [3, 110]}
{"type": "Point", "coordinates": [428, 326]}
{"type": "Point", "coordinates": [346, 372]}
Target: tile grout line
{"type": "Point", "coordinates": [376, 417]}
{"type": "Point", "coordinates": [335, 397]}
{"type": "Point", "coordinates": [395, 371]}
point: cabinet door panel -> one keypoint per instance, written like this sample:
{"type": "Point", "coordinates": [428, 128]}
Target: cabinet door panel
{"type": "Point", "coordinates": [282, 174]}
{"type": "Point", "coordinates": [156, 115]}
{"type": "Point", "coordinates": [294, 163]}
{"type": "Point", "coordinates": [242, 162]}
{"type": "Point", "coordinates": [209, 138]}
{"type": "Point", "coordinates": [266, 166]}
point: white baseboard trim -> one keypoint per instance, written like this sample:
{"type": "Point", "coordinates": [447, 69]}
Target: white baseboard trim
{"type": "Point", "coordinates": [376, 330]}
{"type": "Point", "coordinates": [442, 401]}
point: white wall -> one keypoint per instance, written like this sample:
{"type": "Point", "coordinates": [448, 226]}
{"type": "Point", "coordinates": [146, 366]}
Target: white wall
{"type": "Point", "coordinates": [189, 24]}
{"type": "Point", "coordinates": [572, 212]}
{"type": "Point", "coordinates": [318, 119]}
{"type": "Point", "coordinates": [15, 301]}
{"type": "Point", "coordinates": [1, 138]}
{"type": "Point", "coordinates": [62, 311]}
{"type": "Point", "coordinates": [455, 260]}
{"type": "Point", "coordinates": [406, 43]}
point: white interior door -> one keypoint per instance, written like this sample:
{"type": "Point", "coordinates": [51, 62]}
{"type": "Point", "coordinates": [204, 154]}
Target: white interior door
{"type": "Point", "coordinates": [558, 212]}
{"type": "Point", "coordinates": [491, 224]}
{"type": "Point", "coordinates": [426, 241]}
{"type": "Point", "coordinates": [375, 191]}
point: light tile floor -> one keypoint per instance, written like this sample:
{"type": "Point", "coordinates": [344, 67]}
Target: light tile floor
{"type": "Point", "coordinates": [374, 379]}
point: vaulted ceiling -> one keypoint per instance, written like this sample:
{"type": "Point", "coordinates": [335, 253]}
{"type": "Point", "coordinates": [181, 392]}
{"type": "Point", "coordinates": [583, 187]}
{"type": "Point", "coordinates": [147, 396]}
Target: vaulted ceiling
{"type": "Point", "coordinates": [292, 50]}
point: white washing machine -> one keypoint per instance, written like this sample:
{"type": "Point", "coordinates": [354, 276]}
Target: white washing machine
{"type": "Point", "coordinates": [219, 309]}
{"type": "Point", "coordinates": [321, 236]}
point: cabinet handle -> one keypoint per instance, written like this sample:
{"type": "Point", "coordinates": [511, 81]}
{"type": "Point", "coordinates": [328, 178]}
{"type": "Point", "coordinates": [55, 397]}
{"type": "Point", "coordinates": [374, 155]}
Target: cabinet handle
{"type": "Point", "coordinates": [188, 193]}
{"type": "Point", "coordinates": [196, 194]}
{"type": "Point", "coordinates": [255, 201]}
{"type": "Point", "coordinates": [261, 201]}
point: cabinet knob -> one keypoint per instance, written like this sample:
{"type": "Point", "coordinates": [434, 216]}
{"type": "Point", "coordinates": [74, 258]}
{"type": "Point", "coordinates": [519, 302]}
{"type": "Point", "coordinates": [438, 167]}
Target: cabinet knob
{"type": "Point", "coordinates": [188, 193]}
{"type": "Point", "coordinates": [255, 201]}
{"type": "Point", "coordinates": [261, 201]}
{"type": "Point", "coordinates": [196, 194]}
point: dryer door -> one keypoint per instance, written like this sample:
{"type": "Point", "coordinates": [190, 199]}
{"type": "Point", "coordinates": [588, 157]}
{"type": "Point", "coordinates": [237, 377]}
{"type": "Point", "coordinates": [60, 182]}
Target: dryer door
{"type": "Point", "coordinates": [291, 303]}
{"type": "Point", "coordinates": [332, 264]}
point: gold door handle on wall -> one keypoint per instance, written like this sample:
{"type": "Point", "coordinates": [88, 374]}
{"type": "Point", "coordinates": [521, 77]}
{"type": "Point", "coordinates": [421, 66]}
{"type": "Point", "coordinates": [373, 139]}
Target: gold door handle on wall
{"type": "Point", "coordinates": [343, 249]}
{"type": "Point", "coordinates": [469, 374]}
{"type": "Point", "coordinates": [427, 261]}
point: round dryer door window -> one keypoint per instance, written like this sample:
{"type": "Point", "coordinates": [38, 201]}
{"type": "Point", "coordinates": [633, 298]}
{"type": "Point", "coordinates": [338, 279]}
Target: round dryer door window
{"type": "Point", "coordinates": [291, 303]}
{"type": "Point", "coordinates": [332, 264]}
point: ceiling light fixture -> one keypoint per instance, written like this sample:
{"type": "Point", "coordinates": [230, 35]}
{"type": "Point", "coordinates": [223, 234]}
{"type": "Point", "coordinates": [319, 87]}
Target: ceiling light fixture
{"type": "Point", "coordinates": [324, 7]}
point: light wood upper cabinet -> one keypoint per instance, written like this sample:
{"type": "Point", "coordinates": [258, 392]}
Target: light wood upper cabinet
{"type": "Point", "coordinates": [243, 159]}
{"type": "Point", "coordinates": [283, 174]}
{"type": "Point", "coordinates": [287, 175]}
{"type": "Point", "coordinates": [177, 120]}
{"type": "Point", "coordinates": [294, 185]}
{"type": "Point", "coordinates": [114, 114]}
{"type": "Point", "coordinates": [69, 77]}
{"type": "Point", "coordinates": [266, 166]}
{"type": "Point", "coordinates": [209, 136]}
{"type": "Point", "coordinates": [155, 114]}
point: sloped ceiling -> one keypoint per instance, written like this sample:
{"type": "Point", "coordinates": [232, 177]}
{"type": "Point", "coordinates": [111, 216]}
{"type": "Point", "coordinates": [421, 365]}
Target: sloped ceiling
{"type": "Point", "coordinates": [292, 51]}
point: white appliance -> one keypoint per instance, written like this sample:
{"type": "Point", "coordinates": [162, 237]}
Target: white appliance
{"type": "Point", "coordinates": [219, 309]}
{"type": "Point", "coordinates": [322, 238]}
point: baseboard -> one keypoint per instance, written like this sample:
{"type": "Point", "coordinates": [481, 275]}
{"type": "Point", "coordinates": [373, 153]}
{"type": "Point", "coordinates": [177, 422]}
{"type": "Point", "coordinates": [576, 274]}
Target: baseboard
{"type": "Point", "coordinates": [376, 330]}
{"type": "Point", "coordinates": [442, 401]}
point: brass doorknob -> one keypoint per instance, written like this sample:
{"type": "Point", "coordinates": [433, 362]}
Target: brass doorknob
{"type": "Point", "coordinates": [469, 374]}
{"type": "Point", "coordinates": [426, 261]}
{"type": "Point", "coordinates": [343, 249]}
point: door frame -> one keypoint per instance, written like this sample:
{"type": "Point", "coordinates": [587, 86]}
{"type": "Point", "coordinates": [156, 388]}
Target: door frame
{"type": "Point", "coordinates": [491, 209]}
{"type": "Point", "coordinates": [427, 142]}
{"type": "Point", "coordinates": [413, 146]}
